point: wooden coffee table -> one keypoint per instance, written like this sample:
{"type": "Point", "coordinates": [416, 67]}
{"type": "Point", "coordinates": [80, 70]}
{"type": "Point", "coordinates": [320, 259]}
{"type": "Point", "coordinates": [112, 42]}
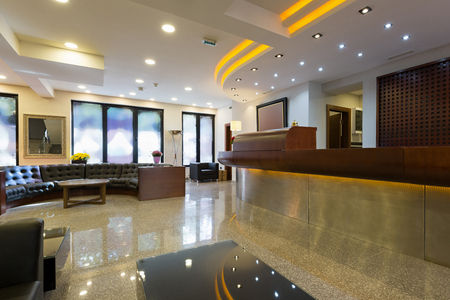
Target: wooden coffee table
{"type": "Point", "coordinates": [67, 185]}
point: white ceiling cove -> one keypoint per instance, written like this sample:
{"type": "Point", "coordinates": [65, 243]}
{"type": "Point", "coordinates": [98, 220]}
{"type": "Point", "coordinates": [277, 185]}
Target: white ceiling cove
{"type": "Point", "coordinates": [115, 37]}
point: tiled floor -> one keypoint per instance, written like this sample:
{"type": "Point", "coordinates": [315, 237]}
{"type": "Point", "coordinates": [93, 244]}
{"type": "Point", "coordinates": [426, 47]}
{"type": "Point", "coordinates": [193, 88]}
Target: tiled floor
{"type": "Point", "coordinates": [108, 239]}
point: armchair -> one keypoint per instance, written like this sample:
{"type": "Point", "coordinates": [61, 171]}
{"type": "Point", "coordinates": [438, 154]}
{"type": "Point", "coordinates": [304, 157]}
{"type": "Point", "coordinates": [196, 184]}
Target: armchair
{"type": "Point", "coordinates": [21, 259]}
{"type": "Point", "coordinates": [204, 171]}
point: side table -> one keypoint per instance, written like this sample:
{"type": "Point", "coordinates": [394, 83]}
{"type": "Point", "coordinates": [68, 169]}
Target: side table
{"type": "Point", "coordinates": [56, 250]}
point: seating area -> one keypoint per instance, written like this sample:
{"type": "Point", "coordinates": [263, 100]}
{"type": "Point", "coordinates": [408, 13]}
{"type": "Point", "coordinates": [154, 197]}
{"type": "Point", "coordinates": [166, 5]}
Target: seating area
{"type": "Point", "coordinates": [26, 184]}
{"type": "Point", "coordinates": [204, 171]}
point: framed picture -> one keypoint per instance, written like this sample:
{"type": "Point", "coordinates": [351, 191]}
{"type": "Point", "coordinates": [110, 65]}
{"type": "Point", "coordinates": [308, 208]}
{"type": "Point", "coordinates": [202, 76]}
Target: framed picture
{"type": "Point", "coordinates": [272, 115]}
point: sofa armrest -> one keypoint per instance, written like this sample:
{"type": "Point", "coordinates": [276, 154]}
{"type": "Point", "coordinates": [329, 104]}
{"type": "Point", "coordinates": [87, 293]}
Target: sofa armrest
{"type": "Point", "coordinates": [21, 252]}
{"type": "Point", "coordinates": [194, 170]}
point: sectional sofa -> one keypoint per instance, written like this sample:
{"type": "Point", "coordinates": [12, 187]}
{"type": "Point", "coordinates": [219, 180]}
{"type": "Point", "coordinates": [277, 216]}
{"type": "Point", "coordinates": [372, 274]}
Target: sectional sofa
{"type": "Point", "coordinates": [21, 185]}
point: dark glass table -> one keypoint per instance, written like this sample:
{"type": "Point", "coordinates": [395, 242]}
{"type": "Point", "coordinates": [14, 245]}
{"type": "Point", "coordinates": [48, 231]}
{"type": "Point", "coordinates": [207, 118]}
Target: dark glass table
{"type": "Point", "coordinates": [56, 250]}
{"type": "Point", "coordinates": [223, 270]}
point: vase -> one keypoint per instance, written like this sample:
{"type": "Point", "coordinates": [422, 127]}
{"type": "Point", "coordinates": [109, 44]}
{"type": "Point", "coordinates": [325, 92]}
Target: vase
{"type": "Point", "coordinates": [156, 159]}
{"type": "Point", "coordinates": [79, 161]}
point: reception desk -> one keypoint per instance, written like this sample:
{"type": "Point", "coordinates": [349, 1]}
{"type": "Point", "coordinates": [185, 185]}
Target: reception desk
{"type": "Point", "coordinates": [398, 198]}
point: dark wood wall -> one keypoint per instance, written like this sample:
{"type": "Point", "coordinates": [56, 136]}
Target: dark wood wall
{"type": "Point", "coordinates": [413, 106]}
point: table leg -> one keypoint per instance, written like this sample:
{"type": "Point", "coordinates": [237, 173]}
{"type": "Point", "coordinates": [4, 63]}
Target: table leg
{"type": "Point", "coordinates": [103, 193]}
{"type": "Point", "coordinates": [66, 196]}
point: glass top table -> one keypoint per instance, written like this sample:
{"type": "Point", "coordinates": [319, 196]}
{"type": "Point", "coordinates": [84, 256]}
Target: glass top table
{"type": "Point", "coordinates": [223, 270]}
{"type": "Point", "coordinates": [56, 250]}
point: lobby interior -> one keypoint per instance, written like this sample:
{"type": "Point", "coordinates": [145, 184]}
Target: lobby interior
{"type": "Point", "coordinates": [114, 40]}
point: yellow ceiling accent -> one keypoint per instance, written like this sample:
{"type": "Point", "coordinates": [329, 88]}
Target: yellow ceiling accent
{"type": "Point", "coordinates": [243, 60]}
{"type": "Point", "coordinates": [293, 9]}
{"type": "Point", "coordinates": [314, 15]}
{"type": "Point", "coordinates": [239, 48]}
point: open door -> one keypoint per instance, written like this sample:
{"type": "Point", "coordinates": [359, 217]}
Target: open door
{"type": "Point", "coordinates": [339, 133]}
{"type": "Point", "coordinates": [228, 147]}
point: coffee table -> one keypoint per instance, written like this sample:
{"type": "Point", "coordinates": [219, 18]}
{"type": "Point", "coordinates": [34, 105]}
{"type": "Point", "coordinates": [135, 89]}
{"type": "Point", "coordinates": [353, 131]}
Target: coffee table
{"type": "Point", "coordinates": [56, 250]}
{"type": "Point", "coordinates": [67, 185]}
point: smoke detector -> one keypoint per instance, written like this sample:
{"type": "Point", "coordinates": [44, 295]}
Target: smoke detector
{"type": "Point", "coordinates": [140, 88]}
{"type": "Point", "coordinates": [155, 85]}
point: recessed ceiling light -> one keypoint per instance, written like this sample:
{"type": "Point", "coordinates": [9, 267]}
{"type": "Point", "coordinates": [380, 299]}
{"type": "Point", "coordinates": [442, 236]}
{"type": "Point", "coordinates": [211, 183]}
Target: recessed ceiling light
{"type": "Point", "coordinates": [256, 83]}
{"type": "Point", "coordinates": [293, 79]}
{"type": "Point", "coordinates": [139, 81]}
{"type": "Point", "coordinates": [236, 95]}
{"type": "Point", "coordinates": [81, 87]}
{"type": "Point", "coordinates": [152, 99]}
{"type": "Point", "coordinates": [360, 54]}
{"type": "Point", "coordinates": [302, 63]}
{"type": "Point", "coordinates": [244, 100]}
{"type": "Point", "coordinates": [168, 28]}
{"type": "Point", "coordinates": [272, 87]}
{"type": "Point", "coordinates": [317, 36]}
{"type": "Point", "coordinates": [150, 61]}
{"type": "Point", "coordinates": [406, 37]}
{"type": "Point", "coordinates": [342, 46]}
{"type": "Point", "coordinates": [132, 93]}
{"type": "Point", "coordinates": [2, 77]}
{"type": "Point", "coordinates": [320, 69]}
{"type": "Point", "coordinates": [254, 69]}
{"type": "Point", "coordinates": [257, 93]}
{"type": "Point", "coordinates": [63, 1]}
{"type": "Point", "coordinates": [209, 103]}
{"type": "Point", "coordinates": [211, 106]}
{"type": "Point", "coordinates": [188, 88]}
{"type": "Point", "coordinates": [233, 89]}
{"type": "Point", "coordinates": [238, 79]}
{"type": "Point", "coordinates": [88, 91]}
{"type": "Point", "coordinates": [365, 10]}
{"type": "Point", "coordinates": [71, 45]}
{"type": "Point", "coordinates": [275, 75]}
{"type": "Point", "coordinates": [279, 55]}
{"type": "Point", "coordinates": [388, 25]}
{"type": "Point", "coordinates": [174, 99]}
{"type": "Point", "coordinates": [194, 104]}
{"type": "Point", "coordinates": [121, 95]}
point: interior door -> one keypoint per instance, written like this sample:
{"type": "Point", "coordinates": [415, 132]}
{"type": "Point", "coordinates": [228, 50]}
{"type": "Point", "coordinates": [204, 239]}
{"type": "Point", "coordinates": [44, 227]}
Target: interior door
{"type": "Point", "coordinates": [335, 130]}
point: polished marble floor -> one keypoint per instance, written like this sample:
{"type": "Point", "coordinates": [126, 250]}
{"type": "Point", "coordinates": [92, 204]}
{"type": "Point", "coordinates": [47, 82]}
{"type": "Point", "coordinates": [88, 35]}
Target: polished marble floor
{"type": "Point", "coordinates": [106, 241]}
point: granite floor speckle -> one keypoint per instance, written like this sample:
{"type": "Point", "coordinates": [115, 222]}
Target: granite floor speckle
{"type": "Point", "coordinates": [106, 241]}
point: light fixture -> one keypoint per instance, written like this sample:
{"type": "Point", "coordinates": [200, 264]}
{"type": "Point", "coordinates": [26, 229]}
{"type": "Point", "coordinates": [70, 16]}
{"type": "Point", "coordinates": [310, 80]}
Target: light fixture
{"type": "Point", "coordinates": [209, 103]}
{"type": "Point", "coordinates": [168, 28]}
{"type": "Point", "coordinates": [272, 87]}
{"type": "Point", "coordinates": [365, 10]}
{"type": "Point", "coordinates": [236, 95]}
{"type": "Point", "coordinates": [360, 54]}
{"type": "Point", "coordinates": [188, 262]}
{"type": "Point", "coordinates": [342, 46]}
{"type": "Point", "coordinates": [388, 25]}
{"type": "Point", "coordinates": [63, 1]}
{"type": "Point", "coordinates": [150, 61]}
{"type": "Point", "coordinates": [320, 69]}
{"type": "Point", "coordinates": [293, 79]}
{"type": "Point", "coordinates": [121, 95]}
{"type": "Point", "coordinates": [174, 99]}
{"type": "Point", "coordinates": [238, 79]}
{"type": "Point", "coordinates": [71, 45]}
{"type": "Point", "coordinates": [317, 35]}
{"type": "Point", "coordinates": [233, 89]}
{"type": "Point", "coordinates": [302, 63]}
{"type": "Point", "coordinates": [211, 106]}
{"type": "Point", "coordinates": [235, 126]}
{"type": "Point", "coordinates": [257, 93]}
{"type": "Point", "coordinates": [194, 104]}
{"type": "Point", "coordinates": [132, 93]}
{"type": "Point", "coordinates": [238, 286]}
{"type": "Point", "coordinates": [279, 55]}
{"type": "Point", "coordinates": [81, 87]}
{"type": "Point", "coordinates": [276, 294]}
{"type": "Point", "coordinates": [244, 100]}
{"type": "Point", "coordinates": [254, 69]}
{"type": "Point", "coordinates": [406, 37]}
{"type": "Point", "coordinates": [256, 83]}
{"type": "Point", "coordinates": [188, 88]}
{"type": "Point", "coordinates": [2, 77]}
{"type": "Point", "coordinates": [152, 99]}
{"type": "Point", "coordinates": [275, 75]}
{"type": "Point", "coordinates": [139, 81]}
{"type": "Point", "coordinates": [88, 91]}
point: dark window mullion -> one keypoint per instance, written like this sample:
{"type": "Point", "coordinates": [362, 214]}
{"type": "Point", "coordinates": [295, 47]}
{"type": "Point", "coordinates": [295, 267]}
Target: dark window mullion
{"type": "Point", "coordinates": [197, 124]}
{"type": "Point", "coordinates": [135, 134]}
{"type": "Point", "coordinates": [105, 132]}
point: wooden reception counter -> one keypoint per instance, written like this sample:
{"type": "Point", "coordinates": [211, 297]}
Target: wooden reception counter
{"type": "Point", "coordinates": [398, 198]}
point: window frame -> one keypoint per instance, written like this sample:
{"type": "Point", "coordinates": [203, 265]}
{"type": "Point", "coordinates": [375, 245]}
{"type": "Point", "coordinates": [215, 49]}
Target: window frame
{"type": "Point", "coordinates": [16, 97]}
{"type": "Point", "coordinates": [197, 116]}
{"type": "Point", "coordinates": [135, 110]}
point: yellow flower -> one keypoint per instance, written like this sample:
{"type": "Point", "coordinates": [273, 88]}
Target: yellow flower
{"type": "Point", "coordinates": [80, 156]}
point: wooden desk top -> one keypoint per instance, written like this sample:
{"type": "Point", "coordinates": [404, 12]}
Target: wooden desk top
{"type": "Point", "coordinates": [82, 182]}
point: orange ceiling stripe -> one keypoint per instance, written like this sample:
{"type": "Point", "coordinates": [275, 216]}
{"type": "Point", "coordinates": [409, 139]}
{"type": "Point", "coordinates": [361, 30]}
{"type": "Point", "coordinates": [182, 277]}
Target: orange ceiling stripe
{"type": "Point", "coordinates": [293, 9]}
{"type": "Point", "coordinates": [239, 48]}
{"type": "Point", "coordinates": [314, 15]}
{"type": "Point", "coordinates": [243, 60]}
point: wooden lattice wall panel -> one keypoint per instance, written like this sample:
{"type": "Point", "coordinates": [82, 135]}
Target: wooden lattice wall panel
{"type": "Point", "coordinates": [413, 107]}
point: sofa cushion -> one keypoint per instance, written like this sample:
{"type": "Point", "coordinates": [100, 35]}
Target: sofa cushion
{"type": "Point", "coordinates": [62, 172]}
{"type": "Point", "coordinates": [132, 184]}
{"type": "Point", "coordinates": [207, 172]}
{"type": "Point", "coordinates": [32, 290]}
{"type": "Point", "coordinates": [22, 175]}
{"type": "Point", "coordinates": [118, 183]}
{"type": "Point", "coordinates": [131, 170]}
{"type": "Point", "coordinates": [39, 188]}
{"type": "Point", "coordinates": [15, 192]}
{"type": "Point", "coordinates": [103, 171]}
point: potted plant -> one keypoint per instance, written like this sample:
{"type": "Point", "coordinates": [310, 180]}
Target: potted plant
{"type": "Point", "coordinates": [80, 158]}
{"type": "Point", "coordinates": [156, 156]}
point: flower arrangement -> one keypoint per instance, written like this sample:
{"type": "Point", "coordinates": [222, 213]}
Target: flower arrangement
{"type": "Point", "coordinates": [80, 156]}
{"type": "Point", "coordinates": [157, 153]}
{"type": "Point", "coordinates": [232, 140]}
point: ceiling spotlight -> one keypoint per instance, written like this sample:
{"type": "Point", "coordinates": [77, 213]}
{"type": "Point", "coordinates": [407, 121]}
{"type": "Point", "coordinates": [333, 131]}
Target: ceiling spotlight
{"type": "Point", "coordinates": [2, 77]}
{"type": "Point", "coordinates": [236, 95]}
{"type": "Point", "coordinates": [71, 45]}
{"type": "Point", "coordinates": [256, 83]}
{"type": "Point", "coordinates": [63, 1]}
{"type": "Point", "coordinates": [168, 28]}
{"type": "Point", "coordinates": [211, 106]}
{"type": "Point", "coordinates": [302, 63]}
{"type": "Point", "coordinates": [194, 104]}
{"type": "Point", "coordinates": [233, 89]}
{"type": "Point", "coordinates": [132, 93]}
{"type": "Point", "coordinates": [254, 69]}
{"type": "Point", "coordinates": [279, 55]}
{"type": "Point", "coordinates": [209, 103]}
{"type": "Point", "coordinates": [406, 37]}
{"type": "Point", "coordinates": [150, 61]}
{"type": "Point", "coordinates": [257, 93]}
{"type": "Point", "coordinates": [275, 75]}
{"type": "Point", "coordinates": [317, 36]}
{"type": "Point", "coordinates": [360, 54]}
{"type": "Point", "coordinates": [139, 81]}
{"type": "Point", "coordinates": [174, 99]}
{"type": "Point", "coordinates": [87, 91]}
{"type": "Point", "coordinates": [81, 87]}
{"type": "Point", "coordinates": [121, 95]}
{"type": "Point", "coordinates": [188, 88]}
{"type": "Point", "coordinates": [342, 46]}
{"type": "Point", "coordinates": [272, 87]}
{"type": "Point", "coordinates": [293, 79]}
{"type": "Point", "coordinates": [152, 99]}
{"type": "Point", "coordinates": [320, 69]}
{"type": "Point", "coordinates": [244, 100]}
{"type": "Point", "coordinates": [388, 25]}
{"type": "Point", "coordinates": [365, 10]}
{"type": "Point", "coordinates": [238, 79]}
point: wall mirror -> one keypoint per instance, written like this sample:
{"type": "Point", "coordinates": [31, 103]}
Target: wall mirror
{"type": "Point", "coordinates": [44, 136]}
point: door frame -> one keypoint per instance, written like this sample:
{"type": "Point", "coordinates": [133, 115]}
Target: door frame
{"type": "Point", "coordinates": [346, 125]}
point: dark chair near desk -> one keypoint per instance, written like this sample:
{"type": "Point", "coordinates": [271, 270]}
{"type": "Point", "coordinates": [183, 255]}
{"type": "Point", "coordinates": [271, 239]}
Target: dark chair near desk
{"type": "Point", "coordinates": [21, 259]}
{"type": "Point", "coordinates": [204, 171]}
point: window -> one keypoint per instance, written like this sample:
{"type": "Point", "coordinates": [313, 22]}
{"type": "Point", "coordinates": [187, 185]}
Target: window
{"type": "Point", "coordinates": [8, 130]}
{"type": "Point", "coordinates": [116, 134]}
{"type": "Point", "coordinates": [198, 138]}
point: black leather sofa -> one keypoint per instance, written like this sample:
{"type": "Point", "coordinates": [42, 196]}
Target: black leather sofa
{"type": "Point", "coordinates": [204, 171]}
{"type": "Point", "coordinates": [21, 259]}
{"type": "Point", "coordinates": [38, 183]}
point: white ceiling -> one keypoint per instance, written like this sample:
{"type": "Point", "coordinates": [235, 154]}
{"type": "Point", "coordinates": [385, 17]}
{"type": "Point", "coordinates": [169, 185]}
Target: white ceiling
{"type": "Point", "coordinates": [123, 33]}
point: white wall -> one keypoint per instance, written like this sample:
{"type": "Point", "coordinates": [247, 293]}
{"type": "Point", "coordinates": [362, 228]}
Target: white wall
{"type": "Point", "coordinates": [31, 103]}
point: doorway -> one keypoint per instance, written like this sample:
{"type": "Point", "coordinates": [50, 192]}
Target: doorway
{"type": "Point", "coordinates": [338, 127]}
{"type": "Point", "coordinates": [228, 147]}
